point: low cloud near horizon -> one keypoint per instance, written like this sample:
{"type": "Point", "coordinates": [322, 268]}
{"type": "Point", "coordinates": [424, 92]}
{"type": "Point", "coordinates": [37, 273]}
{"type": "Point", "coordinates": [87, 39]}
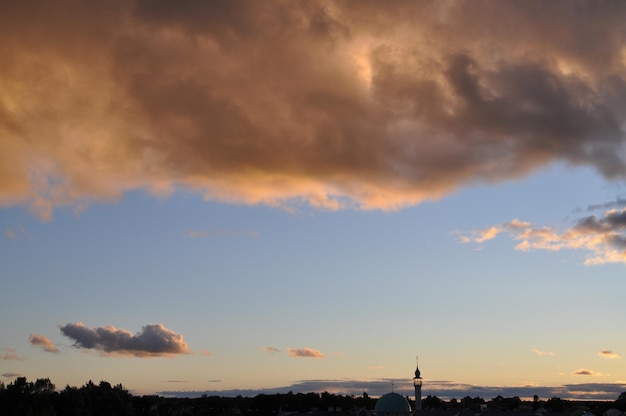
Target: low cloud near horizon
{"type": "Point", "coordinates": [330, 104]}
{"type": "Point", "coordinates": [609, 354]}
{"type": "Point", "coordinates": [152, 341]}
{"type": "Point", "coordinates": [42, 342]}
{"type": "Point", "coordinates": [587, 372]}
{"type": "Point", "coordinates": [445, 390]}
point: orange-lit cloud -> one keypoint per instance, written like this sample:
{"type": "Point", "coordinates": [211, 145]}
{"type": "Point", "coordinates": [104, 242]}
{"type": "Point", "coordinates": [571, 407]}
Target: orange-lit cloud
{"type": "Point", "coordinates": [542, 353]}
{"type": "Point", "coordinates": [329, 104]}
{"type": "Point", "coordinates": [603, 237]}
{"type": "Point", "coordinates": [304, 352]}
{"type": "Point", "coordinates": [9, 354]}
{"type": "Point", "coordinates": [206, 353]}
{"type": "Point", "coordinates": [152, 341]}
{"type": "Point", "coordinates": [609, 354]}
{"type": "Point", "coordinates": [43, 342]}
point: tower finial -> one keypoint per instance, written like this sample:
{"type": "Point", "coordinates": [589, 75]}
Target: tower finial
{"type": "Point", "coordinates": [417, 368]}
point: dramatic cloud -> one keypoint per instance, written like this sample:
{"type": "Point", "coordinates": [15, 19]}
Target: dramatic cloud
{"type": "Point", "coordinates": [270, 350]}
{"type": "Point", "coordinates": [9, 354]}
{"type": "Point", "coordinates": [603, 237]}
{"type": "Point", "coordinates": [152, 341]}
{"type": "Point", "coordinates": [42, 342]}
{"type": "Point", "coordinates": [333, 104]}
{"type": "Point", "coordinates": [586, 372]}
{"type": "Point", "coordinates": [542, 353]}
{"type": "Point", "coordinates": [304, 352]}
{"type": "Point", "coordinates": [609, 354]}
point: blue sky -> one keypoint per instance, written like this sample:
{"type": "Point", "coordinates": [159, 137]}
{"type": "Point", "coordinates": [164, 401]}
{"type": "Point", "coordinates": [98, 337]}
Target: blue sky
{"type": "Point", "coordinates": [254, 197]}
{"type": "Point", "coordinates": [369, 290]}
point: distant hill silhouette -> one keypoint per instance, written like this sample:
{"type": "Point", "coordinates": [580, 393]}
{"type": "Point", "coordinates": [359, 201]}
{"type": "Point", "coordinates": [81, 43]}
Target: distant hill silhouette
{"type": "Point", "coordinates": [40, 398]}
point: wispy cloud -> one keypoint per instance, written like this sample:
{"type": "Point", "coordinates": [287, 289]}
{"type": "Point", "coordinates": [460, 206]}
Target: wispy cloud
{"type": "Point", "coordinates": [618, 203]}
{"type": "Point", "coordinates": [11, 375]}
{"type": "Point", "coordinates": [270, 350]}
{"type": "Point", "coordinates": [9, 354]}
{"type": "Point", "coordinates": [43, 342]}
{"type": "Point", "coordinates": [152, 341]}
{"type": "Point", "coordinates": [388, 121]}
{"type": "Point", "coordinates": [304, 352]}
{"type": "Point", "coordinates": [604, 238]}
{"type": "Point", "coordinates": [542, 353]}
{"type": "Point", "coordinates": [12, 234]}
{"type": "Point", "coordinates": [609, 354]}
{"type": "Point", "coordinates": [206, 353]}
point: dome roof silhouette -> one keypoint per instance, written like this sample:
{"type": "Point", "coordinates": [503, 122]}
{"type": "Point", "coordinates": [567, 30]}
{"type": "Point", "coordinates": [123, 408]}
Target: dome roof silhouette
{"type": "Point", "coordinates": [392, 404]}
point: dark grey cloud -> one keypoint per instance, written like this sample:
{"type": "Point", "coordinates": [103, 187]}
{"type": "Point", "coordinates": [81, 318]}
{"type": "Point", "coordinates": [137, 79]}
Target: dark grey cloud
{"type": "Point", "coordinates": [332, 104]}
{"type": "Point", "coordinates": [618, 203]}
{"type": "Point", "coordinates": [586, 372]}
{"type": "Point", "coordinates": [152, 341]}
{"type": "Point", "coordinates": [443, 389]}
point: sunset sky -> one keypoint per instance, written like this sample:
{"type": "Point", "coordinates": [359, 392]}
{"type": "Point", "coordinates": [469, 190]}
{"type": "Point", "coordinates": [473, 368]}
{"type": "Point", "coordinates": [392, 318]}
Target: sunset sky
{"type": "Point", "coordinates": [262, 196]}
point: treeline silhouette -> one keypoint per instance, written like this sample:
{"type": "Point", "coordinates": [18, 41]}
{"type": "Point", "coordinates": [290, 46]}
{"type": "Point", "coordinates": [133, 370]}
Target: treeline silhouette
{"type": "Point", "coordinates": [40, 398]}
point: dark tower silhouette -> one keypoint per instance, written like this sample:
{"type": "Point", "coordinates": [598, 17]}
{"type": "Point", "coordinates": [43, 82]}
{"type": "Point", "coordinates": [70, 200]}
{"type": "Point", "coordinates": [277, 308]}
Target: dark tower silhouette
{"type": "Point", "coordinates": [417, 383]}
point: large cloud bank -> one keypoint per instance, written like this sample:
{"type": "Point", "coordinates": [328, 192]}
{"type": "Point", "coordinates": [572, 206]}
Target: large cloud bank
{"type": "Point", "coordinates": [364, 104]}
{"type": "Point", "coordinates": [152, 341]}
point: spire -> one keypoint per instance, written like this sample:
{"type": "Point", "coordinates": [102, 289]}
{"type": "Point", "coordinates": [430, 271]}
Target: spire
{"type": "Point", "coordinates": [417, 369]}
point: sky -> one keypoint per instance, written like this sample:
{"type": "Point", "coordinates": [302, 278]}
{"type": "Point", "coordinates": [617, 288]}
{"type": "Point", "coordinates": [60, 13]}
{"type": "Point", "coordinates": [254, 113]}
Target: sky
{"type": "Point", "coordinates": [241, 197]}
